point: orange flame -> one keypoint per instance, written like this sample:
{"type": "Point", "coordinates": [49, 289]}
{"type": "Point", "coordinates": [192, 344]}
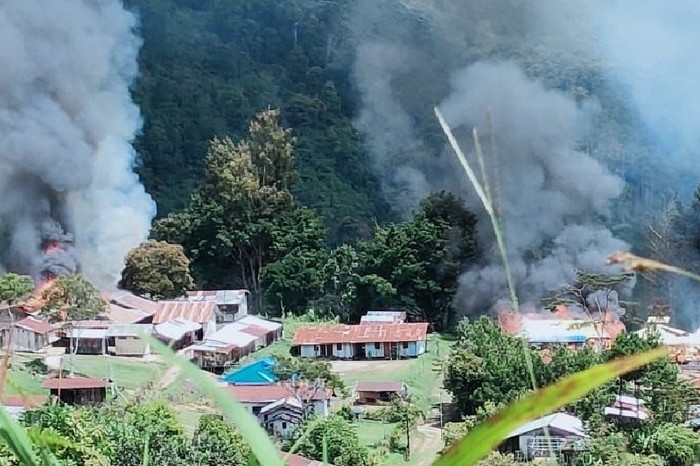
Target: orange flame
{"type": "Point", "coordinates": [52, 247]}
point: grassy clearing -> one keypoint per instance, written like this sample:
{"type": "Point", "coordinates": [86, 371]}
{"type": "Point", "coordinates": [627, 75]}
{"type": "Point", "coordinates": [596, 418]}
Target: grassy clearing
{"type": "Point", "coordinates": [19, 382]}
{"type": "Point", "coordinates": [127, 373]}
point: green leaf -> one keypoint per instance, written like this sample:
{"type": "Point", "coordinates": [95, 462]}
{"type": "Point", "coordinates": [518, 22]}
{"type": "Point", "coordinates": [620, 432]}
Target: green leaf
{"type": "Point", "coordinates": [251, 431]}
{"type": "Point", "coordinates": [18, 442]}
{"type": "Point", "coordinates": [488, 435]}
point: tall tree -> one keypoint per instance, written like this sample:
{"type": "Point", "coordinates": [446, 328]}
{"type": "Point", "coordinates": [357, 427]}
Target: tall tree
{"type": "Point", "coordinates": [244, 217]}
{"type": "Point", "coordinates": [14, 287]}
{"type": "Point", "coordinates": [158, 270]}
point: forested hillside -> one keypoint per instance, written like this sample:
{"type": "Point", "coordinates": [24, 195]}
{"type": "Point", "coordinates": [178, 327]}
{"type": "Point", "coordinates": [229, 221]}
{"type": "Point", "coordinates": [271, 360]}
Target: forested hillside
{"type": "Point", "coordinates": [208, 66]}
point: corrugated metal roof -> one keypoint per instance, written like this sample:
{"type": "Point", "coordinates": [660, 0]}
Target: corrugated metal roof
{"type": "Point", "coordinates": [122, 315]}
{"type": "Point", "coordinates": [24, 401]}
{"type": "Point", "coordinates": [272, 393]}
{"type": "Point", "coordinates": [176, 329]}
{"type": "Point", "coordinates": [72, 383]}
{"type": "Point", "coordinates": [366, 333]}
{"type": "Point", "coordinates": [35, 325]}
{"type": "Point", "coordinates": [258, 322]}
{"type": "Point", "coordinates": [296, 460]}
{"type": "Point", "coordinates": [87, 333]}
{"type": "Point", "coordinates": [288, 401]}
{"type": "Point", "coordinates": [560, 421]}
{"type": "Point", "coordinates": [221, 297]}
{"type": "Point", "coordinates": [129, 330]}
{"type": "Point", "coordinates": [559, 331]}
{"type": "Point", "coordinates": [131, 301]}
{"type": "Point", "coordinates": [379, 387]}
{"type": "Point", "coordinates": [195, 311]}
{"type": "Point", "coordinates": [230, 335]}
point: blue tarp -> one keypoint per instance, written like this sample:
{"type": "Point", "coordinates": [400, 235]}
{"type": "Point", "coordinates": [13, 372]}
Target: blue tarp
{"type": "Point", "coordinates": [255, 373]}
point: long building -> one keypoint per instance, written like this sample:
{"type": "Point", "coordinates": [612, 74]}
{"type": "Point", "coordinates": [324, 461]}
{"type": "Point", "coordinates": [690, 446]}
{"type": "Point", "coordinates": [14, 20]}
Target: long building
{"type": "Point", "coordinates": [366, 341]}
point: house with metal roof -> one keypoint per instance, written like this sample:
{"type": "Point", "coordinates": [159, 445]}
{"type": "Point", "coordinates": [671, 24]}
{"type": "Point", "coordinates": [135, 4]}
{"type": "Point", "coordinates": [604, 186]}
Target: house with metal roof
{"type": "Point", "coordinates": [29, 334]}
{"type": "Point", "coordinates": [125, 340]}
{"type": "Point", "coordinates": [201, 312]}
{"type": "Point", "coordinates": [259, 372]}
{"type": "Point", "coordinates": [366, 341]}
{"type": "Point", "coordinates": [177, 333]}
{"type": "Point", "coordinates": [376, 392]}
{"type": "Point", "coordinates": [554, 433]}
{"type": "Point", "coordinates": [77, 390]}
{"type": "Point", "coordinates": [231, 304]}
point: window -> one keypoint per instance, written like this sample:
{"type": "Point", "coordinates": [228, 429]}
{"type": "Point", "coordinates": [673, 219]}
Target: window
{"type": "Point", "coordinates": [284, 425]}
{"type": "Point", "coordinates": [339, 346]}
{"type": "Point", "coordinates": [377, 346]}
{"type": "Point", "coordinates": [256, 410]}
{"type": "Point", "coordinates": [405, 345]}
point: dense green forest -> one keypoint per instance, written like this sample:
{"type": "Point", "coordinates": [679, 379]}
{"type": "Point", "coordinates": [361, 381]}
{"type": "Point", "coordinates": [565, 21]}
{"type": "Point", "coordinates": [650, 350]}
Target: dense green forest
{"type": "Point", "coordinates": [209, 66]}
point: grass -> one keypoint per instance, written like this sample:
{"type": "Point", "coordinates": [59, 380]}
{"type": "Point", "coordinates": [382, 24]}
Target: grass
{"type": "Point", "coordinates": [127, 373]}
{"type": "Point", "coordinates": [19, 382]}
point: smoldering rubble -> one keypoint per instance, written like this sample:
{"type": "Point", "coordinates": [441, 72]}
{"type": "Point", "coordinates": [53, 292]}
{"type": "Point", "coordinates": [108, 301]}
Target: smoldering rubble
{"type": "Point", "coordinates": [69, 198]}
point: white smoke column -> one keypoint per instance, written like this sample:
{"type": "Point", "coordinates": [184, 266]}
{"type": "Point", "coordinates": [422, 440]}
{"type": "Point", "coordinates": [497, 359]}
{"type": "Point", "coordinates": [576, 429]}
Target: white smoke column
{"type": "Point", "coordinates": [66, 126]}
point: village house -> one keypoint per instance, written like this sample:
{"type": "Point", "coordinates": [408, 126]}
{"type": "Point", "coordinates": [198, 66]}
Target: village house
{"type": "Point", "coordinates": [177, 333]}
{"type": "Point", "coordinates": [16, 405]}
{"type": "Point", "coordinates": [564, 432]}
{"type": "Point", "coordinates": [29, 334]}
{"type": "Point", "coordinates": [125, 340]}
{"type": "Point", "coordinates": [259, 372]}
{"type": "Point", "coordinates": [87, 338]}
{"type": "Point", "coordinates": [221, 349]}
{"type": "Point", "coordinates": [280, 407]}
{"type": "Point", "coordinates": [384, 317]}
{"type": "Point", "coordinates": [200, 312]}
{"type": "Point", "coordinates": [366, 341]}
{"type": "Point", "coordinates": [627, 408]}
{"type": "Point", "coordinates": [232, 305]}
{"type": "Point", "coordinates": [77, 390]}
{"type": "Point", "coordinates": [233, 341]}
{"type": "Point", "coordinates": [370, 393]}
{"type": "Point", "coordinates": [545, 330]}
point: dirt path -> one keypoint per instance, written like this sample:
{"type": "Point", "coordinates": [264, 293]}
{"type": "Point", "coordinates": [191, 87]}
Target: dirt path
{"type": "Point", "coordinates": [427, 445]}
{"type": "Point", "coordinates": [168, 378]}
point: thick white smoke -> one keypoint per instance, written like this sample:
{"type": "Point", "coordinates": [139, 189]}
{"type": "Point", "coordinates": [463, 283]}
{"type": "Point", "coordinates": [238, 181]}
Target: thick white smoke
{"type": "Point", "coordinates": [66, 126]}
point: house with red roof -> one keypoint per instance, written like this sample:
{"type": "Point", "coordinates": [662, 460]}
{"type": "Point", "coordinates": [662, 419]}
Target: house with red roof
{"type": "Point", "coordinates": [281, 407]}
{"type": "Point", "coordinates": [200, 312]}
{"type": "Point", "coordinates": [366, 341]}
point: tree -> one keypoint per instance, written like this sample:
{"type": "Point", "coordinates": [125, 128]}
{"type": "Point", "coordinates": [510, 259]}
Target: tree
{"type": "Point", "coordinates": [339, 434]}
{"type": "Point", "coordinates": [216, 443]}
{"type": "Point", "coordinates": [676, 444]}
{"type": "Point", "coordinates": [243, 217]}
{"type": "Point", "coordinates": [158, 270]}
{"type": "Point", "coordinates": [15, 288]}
{"type": "Point", "coordinates": [72, 297]}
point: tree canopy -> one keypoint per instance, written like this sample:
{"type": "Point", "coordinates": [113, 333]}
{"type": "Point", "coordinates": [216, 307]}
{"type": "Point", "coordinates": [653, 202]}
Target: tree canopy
{"type": "Point", "coordinates": [157, 270]}
{"type": "Point", "coordinates": [14, 287]}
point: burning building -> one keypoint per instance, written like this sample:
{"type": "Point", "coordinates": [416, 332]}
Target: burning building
{"type": "Point", "coordinates": [566, 325]}
{"type": "Point", "coordinates": [69, 198]}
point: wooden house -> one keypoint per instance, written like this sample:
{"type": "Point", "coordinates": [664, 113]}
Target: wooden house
{"type": "Point", "coordinates": [125, 340]}
{"type": "Point", "coordinates": [200, 312]}
{"type": "Point", "coordinates": [77, 390]}
{"type": "Point", "coordinates": [556, 433]}
{"type": "Point", "coordinates": [29, 334]}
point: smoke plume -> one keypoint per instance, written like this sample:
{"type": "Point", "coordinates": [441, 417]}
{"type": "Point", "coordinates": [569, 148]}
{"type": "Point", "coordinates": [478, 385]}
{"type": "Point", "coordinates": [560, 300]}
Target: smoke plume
{"type": "Point", "coordinates": [69, 198]}
{"type": "Point", "coordinates": [544, 159]}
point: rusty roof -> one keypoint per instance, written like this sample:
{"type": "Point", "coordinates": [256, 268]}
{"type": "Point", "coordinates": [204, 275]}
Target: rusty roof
{"type": "Point", "coordinates": [365, 333]}
{"type": "Point", "coordinates": [194, 311]}
{"type": "Point", "coordinates": [255, 330]}
{"type": "Point", "coordinates": [35, 325]}
{"type": "Point", "coordinates": [74, 383]}
{"type": "Point", "coordinates": [272, 393]}
{"type": "Point", "coordinates": [292, 459]}
{"type": "Point", "coordinates": [379, 386]}
{"type": "Point", "coordinates": [129, 300]}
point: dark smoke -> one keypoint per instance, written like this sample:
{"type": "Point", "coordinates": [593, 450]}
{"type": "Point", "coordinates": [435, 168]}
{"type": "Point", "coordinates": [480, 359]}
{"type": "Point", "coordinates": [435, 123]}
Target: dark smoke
{"type": "Point", "coordinates": [548, 166]}
{"type": "Point", "coordinates": [69, 198]}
